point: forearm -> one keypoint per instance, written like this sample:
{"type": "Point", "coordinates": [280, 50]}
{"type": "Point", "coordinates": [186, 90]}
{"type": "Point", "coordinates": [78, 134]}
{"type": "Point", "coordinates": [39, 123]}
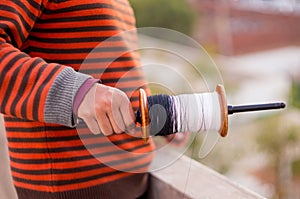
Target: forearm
{"type": "Point", "coordinates": [35, 90]}
{"type": "Point", "coordinates": [30, 88]}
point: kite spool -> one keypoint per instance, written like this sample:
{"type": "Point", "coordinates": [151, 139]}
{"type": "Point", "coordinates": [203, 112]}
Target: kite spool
{"type": "Point", "coordinates": [164, 115]}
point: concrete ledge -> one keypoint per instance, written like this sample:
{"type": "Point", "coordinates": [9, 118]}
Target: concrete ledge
{"type": "Point", "coordinates": [187, 179]}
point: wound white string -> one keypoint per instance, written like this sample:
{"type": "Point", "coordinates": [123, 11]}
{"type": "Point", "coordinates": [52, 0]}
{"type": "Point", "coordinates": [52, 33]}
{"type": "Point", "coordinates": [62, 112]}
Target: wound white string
{"type": "Point", "coordinates": [196, 112]}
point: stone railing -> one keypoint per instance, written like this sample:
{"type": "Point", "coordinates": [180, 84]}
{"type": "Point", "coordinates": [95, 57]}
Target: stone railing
{"type": "Point", "coordinates": [186, 178]}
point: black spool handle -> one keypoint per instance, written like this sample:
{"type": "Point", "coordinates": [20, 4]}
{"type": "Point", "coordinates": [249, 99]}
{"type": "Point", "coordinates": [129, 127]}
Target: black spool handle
{"type": "Point", "coordinates": [255, 107]}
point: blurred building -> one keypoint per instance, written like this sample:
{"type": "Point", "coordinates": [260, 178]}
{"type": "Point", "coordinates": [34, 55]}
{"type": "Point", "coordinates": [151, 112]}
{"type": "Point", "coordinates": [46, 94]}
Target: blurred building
{"type": "Point", "coordinates": [232, 27]}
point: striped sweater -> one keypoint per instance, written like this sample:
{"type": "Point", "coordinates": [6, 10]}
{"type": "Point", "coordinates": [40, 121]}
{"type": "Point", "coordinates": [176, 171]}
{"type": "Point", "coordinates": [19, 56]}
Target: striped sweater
{"type": "Point", "coordinates": [48, 49]}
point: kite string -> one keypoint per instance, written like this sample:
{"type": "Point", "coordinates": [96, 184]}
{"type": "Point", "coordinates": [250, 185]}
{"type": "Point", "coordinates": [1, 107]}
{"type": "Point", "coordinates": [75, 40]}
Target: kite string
{"type": "Point", "coordinates": [196, 112]}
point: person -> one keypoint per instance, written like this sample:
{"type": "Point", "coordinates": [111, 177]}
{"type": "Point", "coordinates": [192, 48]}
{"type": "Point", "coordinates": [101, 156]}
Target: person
{"type": "Point", "coordinates": [54, 72]}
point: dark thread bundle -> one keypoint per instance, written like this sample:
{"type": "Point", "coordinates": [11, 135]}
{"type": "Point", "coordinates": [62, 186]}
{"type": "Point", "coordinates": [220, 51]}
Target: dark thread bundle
{"type": "Point", "coordinates": [161, 114]}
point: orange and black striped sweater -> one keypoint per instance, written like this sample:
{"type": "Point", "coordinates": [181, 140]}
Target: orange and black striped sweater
{"type": "Point", "coordinates": [48, 49]}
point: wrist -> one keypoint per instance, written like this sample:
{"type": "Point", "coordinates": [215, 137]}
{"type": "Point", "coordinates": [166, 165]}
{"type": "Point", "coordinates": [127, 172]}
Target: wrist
{"type": "Point", "coordinates": [85, 87]}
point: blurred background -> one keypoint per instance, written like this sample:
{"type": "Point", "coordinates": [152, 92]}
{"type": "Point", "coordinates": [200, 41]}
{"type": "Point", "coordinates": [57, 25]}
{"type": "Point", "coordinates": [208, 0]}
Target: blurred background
{"type": "Point", "coordinates": [255, 46]}
{"type": "Point", "coordinates": [255, 51]}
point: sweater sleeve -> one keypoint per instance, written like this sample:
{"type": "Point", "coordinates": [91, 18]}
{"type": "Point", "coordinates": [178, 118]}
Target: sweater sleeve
{"type": "Point", "coordinates": [30, 88]}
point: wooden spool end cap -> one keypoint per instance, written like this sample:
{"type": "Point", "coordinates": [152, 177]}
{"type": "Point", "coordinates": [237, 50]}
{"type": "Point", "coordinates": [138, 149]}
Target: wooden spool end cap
{"type": "Point", "coordinates": [224, 110]}
{"type": "Point", "coordinates": [143, 105]}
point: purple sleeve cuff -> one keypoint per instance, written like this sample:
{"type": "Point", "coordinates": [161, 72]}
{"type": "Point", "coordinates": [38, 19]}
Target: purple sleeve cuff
{"type": "Point", "coordinates": [85, 87]}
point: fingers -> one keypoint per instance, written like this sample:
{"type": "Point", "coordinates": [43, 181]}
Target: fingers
{"type": "Point", "coordinates": [104, 124]}
{"type": "Point", "coordinates": [128, 118]}
{"type": "Point", "coordinates": [113, 110]}
{"type": "Point", "coordinates": [107, 110]}
{"type": "Point", "coordinates": [116, 120]}
{"type": "Point", "coordinates": [93, 125]}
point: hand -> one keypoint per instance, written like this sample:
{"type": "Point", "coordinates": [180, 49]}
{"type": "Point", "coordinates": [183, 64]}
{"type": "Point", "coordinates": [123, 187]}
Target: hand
{"type": "Point", "coordinates": [107, 110]}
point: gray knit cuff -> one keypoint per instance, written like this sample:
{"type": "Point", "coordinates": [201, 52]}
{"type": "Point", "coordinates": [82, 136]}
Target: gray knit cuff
{"type": "Point", "coordinates": [59, 101]}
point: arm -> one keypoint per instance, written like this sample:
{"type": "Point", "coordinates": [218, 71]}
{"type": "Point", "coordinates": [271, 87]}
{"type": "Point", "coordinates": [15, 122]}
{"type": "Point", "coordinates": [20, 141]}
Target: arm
{"type": "Point", "coordinates": [35, 90]}
{"type": "Point", "coordinates": [30, 88]}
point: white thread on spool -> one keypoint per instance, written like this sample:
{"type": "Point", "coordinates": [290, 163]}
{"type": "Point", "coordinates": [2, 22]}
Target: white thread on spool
{"type": "Point", "coordinates": [196, 112]}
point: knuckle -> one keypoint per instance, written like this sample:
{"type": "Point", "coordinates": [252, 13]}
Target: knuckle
{"type": "Point", "coordinates": [94, 131]}
{"type": "Point", "coordinates": [120, 94]}
{"type": "Point", "coordinates": [118, 131]}
{"type": "Point", "coordinates": [108, 103]}
{"type": "Point", "coordinates": [84, 114]}
{"type": "Point", "coordinates": [98, 107]}
{"type": "Point", "coordinates": [107, 132]}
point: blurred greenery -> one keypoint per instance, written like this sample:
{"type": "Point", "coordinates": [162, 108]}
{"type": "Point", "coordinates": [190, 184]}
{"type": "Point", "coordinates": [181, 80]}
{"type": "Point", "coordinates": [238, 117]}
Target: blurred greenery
{"type": "Point", "coordinates": [172, 14]}
{"type": "Point", "coordinates": [296, 167]}
{"type": "Point", "coordinates": [273, 139]}
{"type": "Point", "coordinates": [295, 94]}
{"type": "Point", "coordinates": [277, 137]}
